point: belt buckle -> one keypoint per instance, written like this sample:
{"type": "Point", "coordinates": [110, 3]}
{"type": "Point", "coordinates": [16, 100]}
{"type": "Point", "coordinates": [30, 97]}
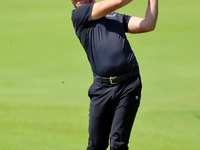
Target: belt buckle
{"type": "Point", "coordinates": [111, 80]}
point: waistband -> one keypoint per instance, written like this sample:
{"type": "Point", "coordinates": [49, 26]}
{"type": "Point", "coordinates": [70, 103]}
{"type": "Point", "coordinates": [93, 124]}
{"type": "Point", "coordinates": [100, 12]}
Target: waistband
{"type": "Point", "coordinates": [116, 79]}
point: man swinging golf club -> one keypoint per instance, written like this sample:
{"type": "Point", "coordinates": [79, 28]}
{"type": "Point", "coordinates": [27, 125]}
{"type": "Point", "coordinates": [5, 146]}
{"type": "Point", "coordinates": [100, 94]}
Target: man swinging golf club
{"type": "Point", "coordinates": [116, 90]}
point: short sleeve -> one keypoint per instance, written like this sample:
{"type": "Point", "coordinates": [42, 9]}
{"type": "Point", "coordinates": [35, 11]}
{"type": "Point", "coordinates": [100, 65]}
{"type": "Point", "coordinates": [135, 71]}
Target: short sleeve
{"type": "Point", "coordinates": [126, 19]}
{"type": "Point", "coordinates": [81, 15]}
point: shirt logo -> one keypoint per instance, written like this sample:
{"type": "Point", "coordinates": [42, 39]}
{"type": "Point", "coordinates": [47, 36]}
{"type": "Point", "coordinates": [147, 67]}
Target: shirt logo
{"type": "Point", "coordinates": [111, 15]}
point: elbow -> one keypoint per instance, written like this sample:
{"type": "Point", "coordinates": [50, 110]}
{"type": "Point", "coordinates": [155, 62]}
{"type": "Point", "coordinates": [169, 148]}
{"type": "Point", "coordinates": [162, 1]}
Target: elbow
{"type": "Point", "coordinates": [149, 28]}
{"type": "Point", "coordinates": [148, 25]}
{"type": "Point", "coordinates": [152, 28]}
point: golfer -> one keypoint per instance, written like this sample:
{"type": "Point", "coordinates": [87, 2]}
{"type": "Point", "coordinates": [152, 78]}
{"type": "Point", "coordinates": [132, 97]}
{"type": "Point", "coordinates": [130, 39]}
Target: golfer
{"type": "Point", "coordinates": [116, 89]}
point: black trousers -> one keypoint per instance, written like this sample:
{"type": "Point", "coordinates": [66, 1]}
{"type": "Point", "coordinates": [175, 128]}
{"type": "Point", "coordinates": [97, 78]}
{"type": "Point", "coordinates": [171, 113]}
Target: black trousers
{"type": "Point", "coordinates": [112, 112]}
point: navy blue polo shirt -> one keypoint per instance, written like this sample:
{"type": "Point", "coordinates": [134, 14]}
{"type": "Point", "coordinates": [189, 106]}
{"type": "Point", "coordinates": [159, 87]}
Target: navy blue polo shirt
{"type": "Point", "coordinates": [105, 42]}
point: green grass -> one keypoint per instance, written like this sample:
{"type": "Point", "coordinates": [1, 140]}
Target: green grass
{"type": "Point", "coordinates": [45, 75]}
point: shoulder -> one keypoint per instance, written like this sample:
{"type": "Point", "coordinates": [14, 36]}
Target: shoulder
{"type": "Point", "coordinates": [82, 11]}
{"type": "Point", "coordinates": [81, 15]}
{"type": "Point", "coordinates": [123, 19]}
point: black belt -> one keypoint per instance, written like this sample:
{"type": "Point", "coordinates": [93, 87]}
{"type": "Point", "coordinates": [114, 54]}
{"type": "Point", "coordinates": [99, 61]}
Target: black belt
{"type": "Point", "coordinates": [116, 79]}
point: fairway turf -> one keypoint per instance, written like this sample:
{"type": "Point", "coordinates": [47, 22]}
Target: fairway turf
{"type": "Point", "coordinates": [45, 76]}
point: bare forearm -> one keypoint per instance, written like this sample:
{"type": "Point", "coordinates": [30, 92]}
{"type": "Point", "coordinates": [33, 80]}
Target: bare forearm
{"type": "Point", "coordinates": [105, 7]}
{"type": "Point", "coordinates": [151, 14]}
{"type": "Point", "coordinates": [146, 24]}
